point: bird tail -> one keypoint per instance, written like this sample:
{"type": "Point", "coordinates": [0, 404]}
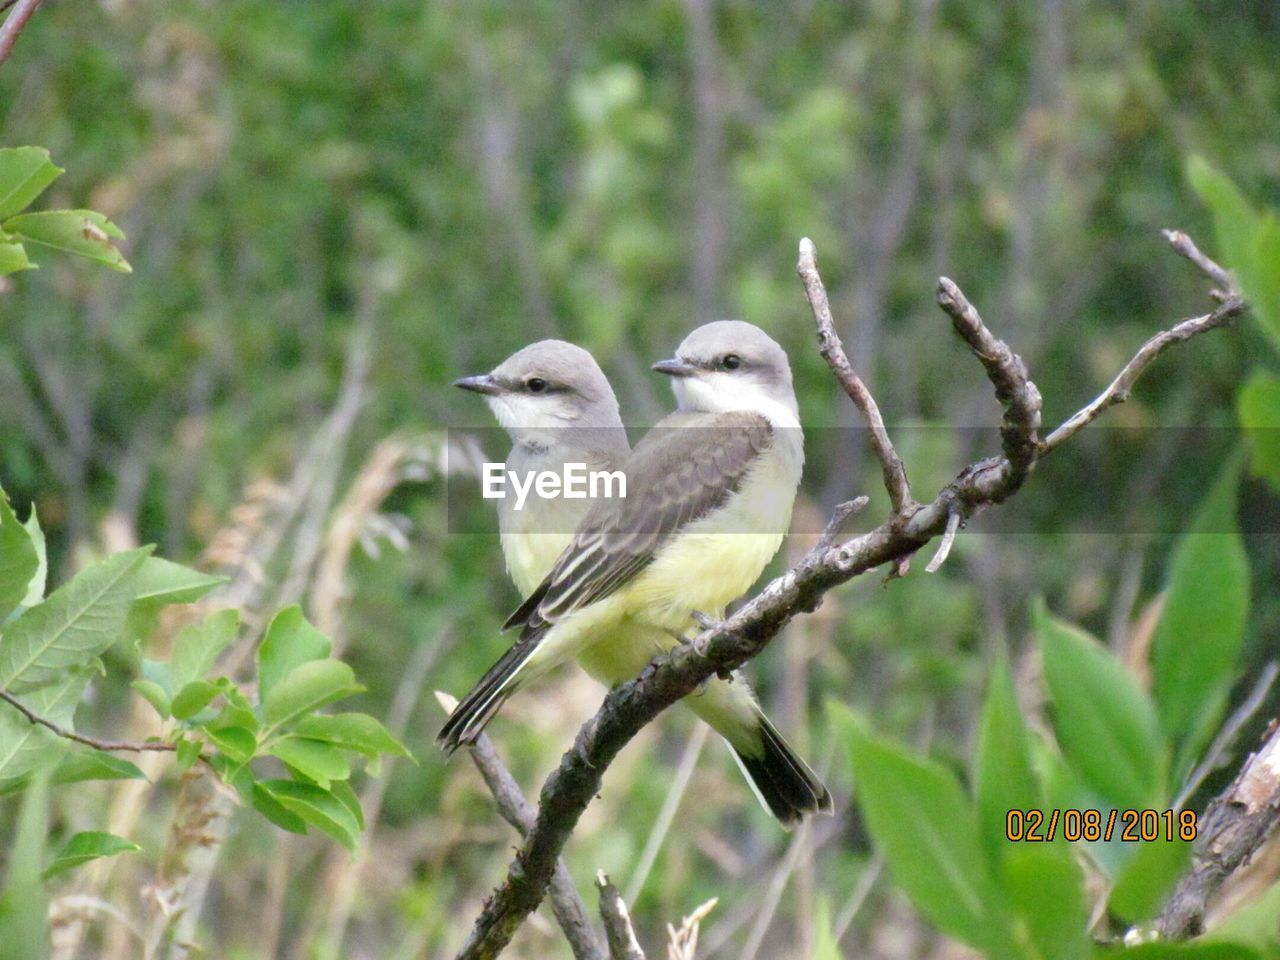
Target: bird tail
{"type": "Point", "coordinates": [478, 707]}
{"type": "Point", "coordinates": [781, 780]}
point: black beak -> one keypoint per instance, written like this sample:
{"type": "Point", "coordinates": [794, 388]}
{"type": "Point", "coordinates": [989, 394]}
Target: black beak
{"type": "Point", "coordinates": [675, 368]}
{"type": "Point", "coordinates": [480, 383]}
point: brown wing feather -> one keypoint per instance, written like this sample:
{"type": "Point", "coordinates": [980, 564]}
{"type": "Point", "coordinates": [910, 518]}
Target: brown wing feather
{"type": "Point", "coordinates": [683, 469]}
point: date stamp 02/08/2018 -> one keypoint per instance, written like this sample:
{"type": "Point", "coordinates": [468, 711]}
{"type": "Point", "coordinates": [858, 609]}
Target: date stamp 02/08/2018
{"type": "Point", "coordinates": [1129, 826]}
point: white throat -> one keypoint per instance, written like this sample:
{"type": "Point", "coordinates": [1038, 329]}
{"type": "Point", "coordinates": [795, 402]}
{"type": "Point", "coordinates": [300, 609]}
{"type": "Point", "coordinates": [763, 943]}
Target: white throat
{"type": "Point", "coordinates": [719, 393]}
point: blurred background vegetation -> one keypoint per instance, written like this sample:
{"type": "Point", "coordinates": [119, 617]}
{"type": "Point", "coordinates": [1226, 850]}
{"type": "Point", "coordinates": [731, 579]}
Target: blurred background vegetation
{"type": "Point", "coordinates": [333, 210]}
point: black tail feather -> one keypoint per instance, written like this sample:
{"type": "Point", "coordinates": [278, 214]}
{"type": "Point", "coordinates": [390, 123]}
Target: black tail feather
{"type": "Point", "coordinates": [478, 707]}
{"type": "Point", "coordinates": [788, 787]}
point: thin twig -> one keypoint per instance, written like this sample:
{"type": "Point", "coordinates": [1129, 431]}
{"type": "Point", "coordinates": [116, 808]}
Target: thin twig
{"type": "Point", "coordinates": [671, 804]}
{"type": "Point", "coordinates": [832, 350]}
{"type": "Point", "coordinates": [108, 745]}
{"type": "Point", "coordinates": [944, 547]}
{"type": "Point", "coordinates": [13, 25]}
{"type": "Point", "coordinates": [629, 707]}
{"type": "Point", "coordinates": [623, 944]}
{"type": "Point", "coordinates": [570, 911]}
{"type": "Point", "coordinates": [1243, 713]}
{"type": "Point", "coordinates": [861, 891]}
{"type": "Point", "coordinates": [1184, 245]}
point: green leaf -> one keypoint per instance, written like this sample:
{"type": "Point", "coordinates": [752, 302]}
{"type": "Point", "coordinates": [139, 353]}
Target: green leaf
{"type": "Point", "coordinates": [313, 759]}
{"type": "Point", "coordinates": [308, 687]}
{"type": "Point", "coordinates": [341, 789]}
{"type": "Point", "coordinates": [19, 561]}
{"type": "Point", "coordinates": [1234, 221]}
{"type": "Point", "coordinates": [318, 807]}
{"type": "Point", "coordinates": [1145, 881]}
{"type": "Point", "coordinates": [1264, 277]}
{"type": "Point", "coordinates": [86, 846]}
{"type": "Point", "coordinates": [927, 830]}
{"type": "Point", "coordinates": [25, 173]}
{"type": "Point", "coordinates": [35, 589]}
{"type": "Point", "coordinates": [237, 743]}
{"type": "Point", "coordinates": [352, 731]}
{"type": "Point", "coordinates": [1104, 722]}
{"type": "Point", "coordinates": [161, 583]}
{"type": "Point", "coordinates": [197, 646]}
{"type": "Point", "coordinates": [273, 810]}
{"type": "Point", "coordinates": [1003, 780]}
{"type": "Point", "coordinates": [24, 746]}
{"type": "Point", "coordinates": [154, 694]}
{"type": "Point", "coordinates": [84, 233]}
{"type": "Point", "coordinates": [79, 766]}
{"type": "Point", "coordinates": [1255, 924]}
{"type": "Point", "coordinates": [1197, 643]}
{"type": "Point", "coordinates": [1045, 887]}
{"type": "Point", "coordinates": [1181, 951]}
{"type": "Point", "coordinates": [290, 641]}
{"type": "Point", "coordinates": [193, 698]}
{"type": "Point", "coordinates": [1258, 404]}
{"type": "Point", "coordinates": [76, 623]}
{"type": "Point", "coordinates": [188, 754]}
{"type": "Point", "coordinates": [13, 258]}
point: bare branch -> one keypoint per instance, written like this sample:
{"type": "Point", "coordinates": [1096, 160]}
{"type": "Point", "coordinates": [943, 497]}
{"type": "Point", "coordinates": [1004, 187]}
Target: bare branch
{"type": "Point", "coordinates": [1184, 245]}
{"type": "Point", "coordinates": [1007, 373]}
{"type": "Point", "coordinates": [832, 350]}
{"type": "Point", "coordinates": [570, 911]}
{"type": "Point", "coordinates": [726, 645]}
{"type": "Point", "coordinates": [13, 25]}
{"type": "Point", "coordinates": [109, 745]}
{"type": "Point", "coordinates": [1233, 826]}
{"type": "Point", "coordinates": [623, 944]}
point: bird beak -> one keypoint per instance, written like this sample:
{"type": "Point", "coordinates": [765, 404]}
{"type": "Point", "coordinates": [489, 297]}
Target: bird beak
{"type": "Point", "coordinates": [480, 383]}
{"type": "Point", "coordinates": [675, 368]}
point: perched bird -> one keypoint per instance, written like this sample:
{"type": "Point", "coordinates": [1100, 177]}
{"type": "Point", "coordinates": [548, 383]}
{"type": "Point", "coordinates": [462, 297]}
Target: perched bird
{"type": "Point", "coordinates": [709, 497]}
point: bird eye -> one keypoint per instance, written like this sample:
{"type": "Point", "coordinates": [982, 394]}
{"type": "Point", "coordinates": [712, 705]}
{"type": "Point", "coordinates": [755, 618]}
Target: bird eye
{"type": "Point", "coordinates": [535, 384]}
{"type": "Point", "coordinates": [731, 361]}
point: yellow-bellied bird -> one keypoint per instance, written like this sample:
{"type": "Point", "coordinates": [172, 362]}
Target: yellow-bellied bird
{"type": "Point", "coordinates": [709, 497]}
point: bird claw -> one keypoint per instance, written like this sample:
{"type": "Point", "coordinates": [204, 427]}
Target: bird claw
{"type": "Point", "coordinates": [703, 621]}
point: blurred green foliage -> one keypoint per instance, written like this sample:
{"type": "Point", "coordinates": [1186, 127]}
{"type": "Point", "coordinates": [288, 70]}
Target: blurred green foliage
{"type": "Point", "coordinates": [445, 182]}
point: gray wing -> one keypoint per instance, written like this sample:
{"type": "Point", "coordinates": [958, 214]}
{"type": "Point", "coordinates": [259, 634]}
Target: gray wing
{"type": "Point", "coordinates": [683, 469]}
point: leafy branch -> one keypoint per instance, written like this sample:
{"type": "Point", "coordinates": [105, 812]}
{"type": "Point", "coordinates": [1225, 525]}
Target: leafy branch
{"type": "Point", "coordinates": [727, 645]}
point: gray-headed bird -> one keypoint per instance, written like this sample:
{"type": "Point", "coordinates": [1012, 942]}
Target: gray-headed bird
{"type": "Point", "coordinates": [708, 500]}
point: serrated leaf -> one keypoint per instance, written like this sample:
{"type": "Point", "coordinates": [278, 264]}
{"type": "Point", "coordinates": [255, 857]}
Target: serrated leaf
{"type": "Point", "coordinates": [1003, 780]}
{"type": "Point", "coordinates": [76, 623]}
{"type": "Point", "coordinates": [1197, 642]}
{"type": "Point", "coordinates": [86, 846]}
{"type": "Point", "coordinates": [308, 687]}
{"type": "Point", "coordinates": [236, 742]}
{"type": "Point", "coordinates": [290, 641]}
{"type": "Point", "coordinates": [84, 233]}
{"type": "Point", "coordinates": [318, 807]}
{"type": "Point", "coordinates": [927, 830]}
{"type": "Point", "coordinates": [315, 760]}
{"type": "Point", "coordinates": [154, 694]}
{"type": "Point", "coordinates": [352, 731]}
{"type": "Point", "coordinates": [193, 698]}
{"type": "Point", "coordinates": [25, 173]}
{"type": "Point", "coordinates": [19, 561]}
{"type": "Point", "coordinates": [197, 646]}
{"type": "Point", "coordinates": [1045, 887]}
{"type": "Point", "coordinates": [1104, 722]}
